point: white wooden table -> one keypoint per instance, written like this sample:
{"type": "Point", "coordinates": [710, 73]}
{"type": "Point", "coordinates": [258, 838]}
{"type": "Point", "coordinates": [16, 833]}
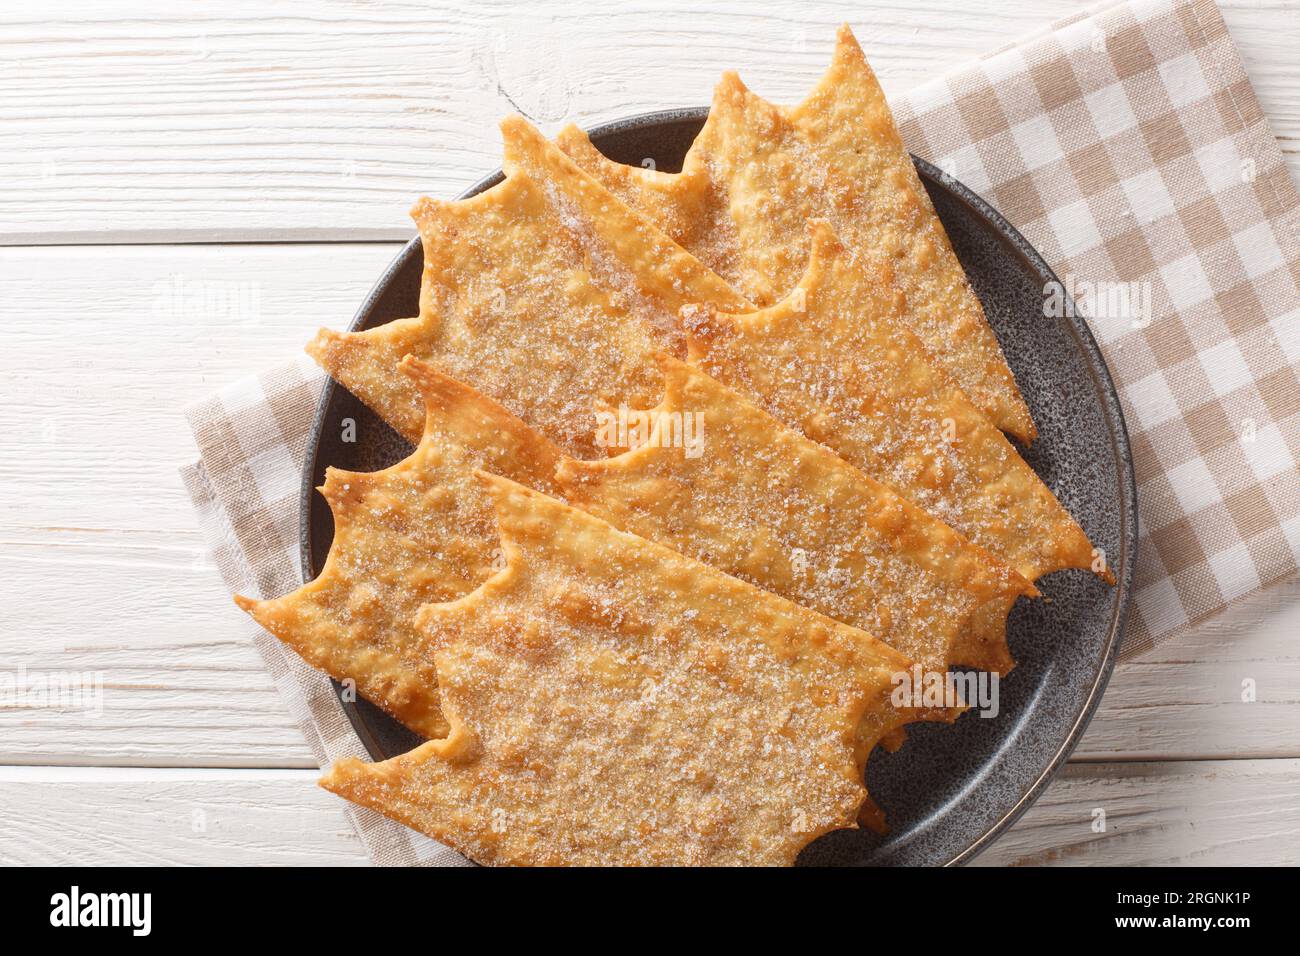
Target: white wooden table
{"type": "Point", "coordinates": [265, 152]}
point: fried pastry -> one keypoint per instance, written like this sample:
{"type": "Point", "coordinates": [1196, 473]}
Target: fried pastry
{"type": "Point", "coordinates": [718, 479]}
{"type": "Point", "coordinates": [691, 659]}
{"type": "Point", "coordinates": [757, 173]}
{"type": "Point", "coordinates": [837, 361]}
{"type": "Point", "coordinates": [544, 292]}
{"type": "Point", "coordinates": [421, 531]}
{"type": "Point", "coordinates": [614, 702]}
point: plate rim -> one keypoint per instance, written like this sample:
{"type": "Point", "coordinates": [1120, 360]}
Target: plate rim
{"type": "Point", "coordinates": [1098, 371]}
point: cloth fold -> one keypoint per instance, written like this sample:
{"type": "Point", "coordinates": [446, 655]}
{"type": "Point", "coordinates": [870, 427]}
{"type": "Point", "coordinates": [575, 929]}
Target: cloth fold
{"type": "Point", "coordinates": [1128, 147]}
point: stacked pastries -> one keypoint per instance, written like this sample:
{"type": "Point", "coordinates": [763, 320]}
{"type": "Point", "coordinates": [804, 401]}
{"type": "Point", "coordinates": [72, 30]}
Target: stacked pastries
{"type": "Point", "coordinates": [631, 642]}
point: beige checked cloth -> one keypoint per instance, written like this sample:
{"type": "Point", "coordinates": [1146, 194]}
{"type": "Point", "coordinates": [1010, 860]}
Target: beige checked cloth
{"type": "Point", "coordinates": [1128, 147]}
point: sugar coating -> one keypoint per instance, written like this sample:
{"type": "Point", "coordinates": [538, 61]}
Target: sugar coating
{"type": "Point", "coordinates": [544, 293]}
{"type": "Point", "coordinates": [604, 699]}
{"type": "Point", "coordinates": [766, 504]}
{"type": "Point", "coordinates": [613, 702]}
{"type": "Point", "coordinates": [837, 361]}
{"type": "Point", "coordinates": [757, 173]}
{"type": "Point", "coordinates": [419, 532]}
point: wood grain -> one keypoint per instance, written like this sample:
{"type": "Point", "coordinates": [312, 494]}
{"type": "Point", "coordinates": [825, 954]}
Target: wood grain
{"type": "Point", "coordinates": [325, 119]}
{"type": "Point", "coordinates": [1226, 812]}
{"type": "Point", "coordinates": [130, 127]}
{"type": "Point", "coordinates": [1188, 813]}
{"type": "Point", "coordinates": [102, 817]}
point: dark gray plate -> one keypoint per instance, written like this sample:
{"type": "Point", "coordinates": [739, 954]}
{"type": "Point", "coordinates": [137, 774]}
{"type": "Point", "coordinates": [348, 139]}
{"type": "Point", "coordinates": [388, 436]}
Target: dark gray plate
{"type": "Point", "coordinates": [950, 790]}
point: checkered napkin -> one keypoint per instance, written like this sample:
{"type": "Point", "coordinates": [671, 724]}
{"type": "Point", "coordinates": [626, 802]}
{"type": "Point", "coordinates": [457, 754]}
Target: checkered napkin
{"type": "Point", "coordinates": [1128, 147]}
{"type": "Point", "coordinates": [252, 437]}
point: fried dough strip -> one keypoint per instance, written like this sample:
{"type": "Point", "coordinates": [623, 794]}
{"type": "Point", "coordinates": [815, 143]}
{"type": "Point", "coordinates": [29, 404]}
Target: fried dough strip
{"type": "Point", "coordinates": [419, 532]}
{"type": "Point", "coordinates": [722, 481]}
{"type": "Point", "coordinates": [837, 361]}
{"type": "Point", "coordinates": [613, 702]}
{"type": "Point", "coordinates": [757, 173]}
{"type": "Point", "coordinates": [544, 292]}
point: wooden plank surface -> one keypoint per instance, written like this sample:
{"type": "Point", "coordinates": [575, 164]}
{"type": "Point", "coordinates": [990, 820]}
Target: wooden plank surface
{"type": "Point", "coordinates": [96, 816]}
{"type": "Point", "coordinates": [1180, 812]}
{"type": "Point", "coordinates": [100, 548]}
{"type": "Point", "coordinates": [1189, 813]}
{"type": "Point", "coordinates": [324, 119]}
{"type": "Point", "coordinates": [130, 127]}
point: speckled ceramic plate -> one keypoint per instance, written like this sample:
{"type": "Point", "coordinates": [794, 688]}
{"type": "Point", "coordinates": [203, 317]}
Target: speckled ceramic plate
{"type": "Point", "coordinates": [950, 790]}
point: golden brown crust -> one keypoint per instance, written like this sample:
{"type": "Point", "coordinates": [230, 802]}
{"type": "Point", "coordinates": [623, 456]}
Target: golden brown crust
{"type": "Point", "coordinates": [836, 361]}
{"type": "Point", "coordinates": [883, 205]}
{"type": "Point", "coordinates": [418, 532]}
{"type": "Point", "coordinates": [599, 697]}
{"type": "Point", "coordinates": [365, 363]}
{"type": "Point", "coordinates": [722, 481]}
{"type": "Point", "coordinates": [545, 293]}
{"type": "Point", "coordinates": [651, 260]}
{"type": "Point", "coordinates": [618, 703]}
{"type": "Point", "coordinates": [759, 172]}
